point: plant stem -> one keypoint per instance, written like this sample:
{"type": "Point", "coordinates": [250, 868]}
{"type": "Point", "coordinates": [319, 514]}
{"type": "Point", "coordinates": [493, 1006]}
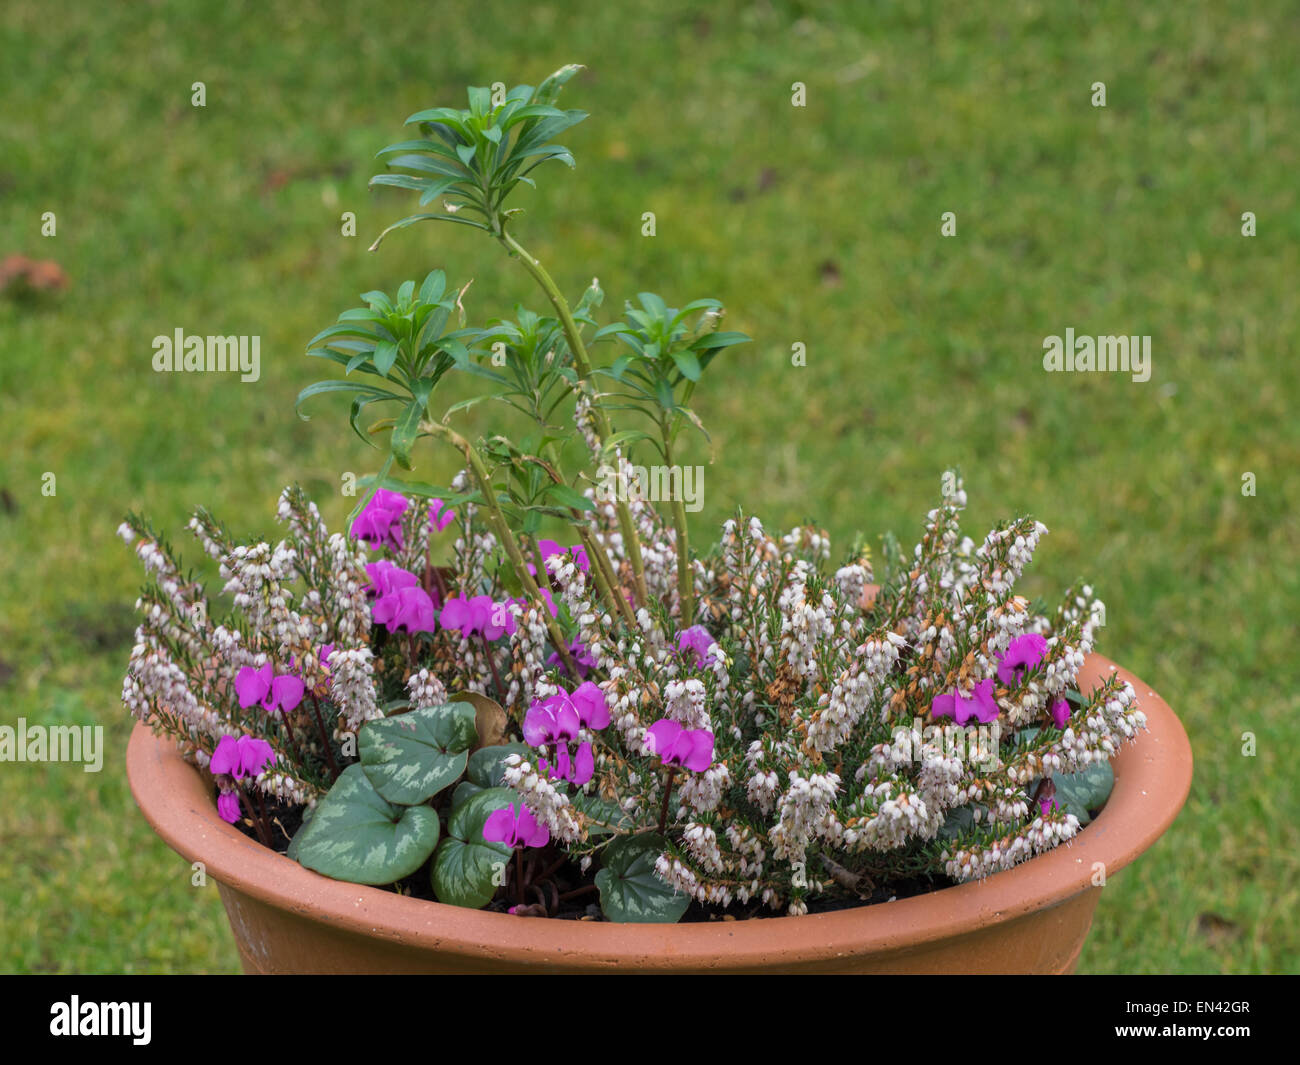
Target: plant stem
{"type": "Point", "coordinates": [496, 676]}
{"type": "Point", "coordinates": [324, 736]}
{"type": "Point", "coordinates": [582, 364]}
{"type": "Point", "coordinates": [508, 542]}
{"type": "Point", "coordinates": [685, 571]}
{"type": "Point", "coordinates": [663, 807]}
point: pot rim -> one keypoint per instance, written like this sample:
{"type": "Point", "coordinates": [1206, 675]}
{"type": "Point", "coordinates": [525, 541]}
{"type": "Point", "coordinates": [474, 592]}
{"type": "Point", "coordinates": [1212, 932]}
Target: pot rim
{"type": "Point", "coordinates": [1152, 779]}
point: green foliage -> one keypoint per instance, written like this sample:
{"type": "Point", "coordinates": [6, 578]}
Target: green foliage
{"type": "Point", "coordinates": [467, 869]}
{"type": "Point", "coordinates": [411, 757]}
{"type": "Point", "coordinates": [488, 763]}
{"type": "Point", "coordinates": [478, 156]}
{"type": "Point", "coordinates": [630, 891]}
{"type": "Point", "coordinates": [358, 835]}
{"type": "Point", "coordinates": [400, 340]}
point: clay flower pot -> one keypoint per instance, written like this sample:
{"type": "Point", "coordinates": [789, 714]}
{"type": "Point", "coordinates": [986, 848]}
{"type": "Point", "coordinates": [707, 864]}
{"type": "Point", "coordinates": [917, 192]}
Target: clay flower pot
{"type": "Point", "coordinates": [1032, 918]}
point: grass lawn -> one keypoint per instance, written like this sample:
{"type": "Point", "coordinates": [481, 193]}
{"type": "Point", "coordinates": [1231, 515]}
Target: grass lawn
{"type": "Point", "coordinates": [817, 225]}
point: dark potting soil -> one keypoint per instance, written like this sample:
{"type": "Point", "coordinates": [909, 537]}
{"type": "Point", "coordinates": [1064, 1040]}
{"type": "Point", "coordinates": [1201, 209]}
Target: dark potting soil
{"type": "Point", "coordinates": [583, 905]}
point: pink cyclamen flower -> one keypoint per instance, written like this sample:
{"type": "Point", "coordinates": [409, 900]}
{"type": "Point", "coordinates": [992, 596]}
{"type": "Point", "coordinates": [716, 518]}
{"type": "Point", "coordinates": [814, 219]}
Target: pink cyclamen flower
{"type": "Point", "coordinates": [696, 639]}
{"type": "Point", "coordinates": [1024, 653]}
{"type": "Point", "coordinates": [479, 615]}
{"type": "Point", "coordinates": [980, 705]}
{"type": "Point", "coordinates": [406, 610]}
{"type": "Point", "coordinates": [1060, 713]}
{"type": "Point", "coordinates": [553, 723]}
{"type": "Point", "coordinates": [439, 518]}
{"type": "Point", "coordinates": [380, 523]}
{"type": "Point", "coordinates": [241, 757]}
{"type": "Point", "coordinates": [387, 577]}
{"type": "Point", "coordinates": [228, 806]}
{"type": "Point", "coordinates": [678, 746]}
{"type": "Point", "coordinates": [552, 720]}
{"type": "Point", "coordinates": [256, 687]}
{"type": "Point", "coordinates": [515, 826]}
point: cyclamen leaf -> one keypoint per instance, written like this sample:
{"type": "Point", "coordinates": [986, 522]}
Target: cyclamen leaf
{"type": "Point", "coordinates": [358, 836]}
{"type": "Point", "coordinates": [630, 890]}
{"type": "Point", "coordinates": [467, 869]}
{"type": "Point", "coordinates": [413, 756]}
{"type": "Point", "coordinates": [487, 765]}
{"type": "Point", "coordinates": [1084, 791]}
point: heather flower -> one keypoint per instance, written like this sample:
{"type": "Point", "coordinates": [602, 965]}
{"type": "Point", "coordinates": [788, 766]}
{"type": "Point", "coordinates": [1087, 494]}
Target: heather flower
{"type": "Point", "coordinates": [228, 806]}
{"type": "Point", "coordinates": [547, 548]}
{"type": "Point", "coordinates": [515, 826]}
{"type": "Point", "coordinates": [241, 757]}
{"type": "Point", "coordinates": [380, 523]}
{"type": "Point", "coordinates": [980, 705]}
{"type": "Point", "coordinates": [677, 746]}
{"type": "Point", "coordinates": [439, 518]}
{"type": "Point", "coordinates": [260, 687]}
{"type": "Point", "coordinates": [1024, 653]}
{"type": "Point", "coordinates": [696, 639]}
{"type": "Point", "coordinates": [323, 662]}
{"type": "Point", "coordinates": [406, 610]}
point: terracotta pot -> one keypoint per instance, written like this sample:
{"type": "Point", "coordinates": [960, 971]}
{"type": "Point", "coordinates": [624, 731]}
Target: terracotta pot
{"type": "Point", "coordinates": [1032, 918]}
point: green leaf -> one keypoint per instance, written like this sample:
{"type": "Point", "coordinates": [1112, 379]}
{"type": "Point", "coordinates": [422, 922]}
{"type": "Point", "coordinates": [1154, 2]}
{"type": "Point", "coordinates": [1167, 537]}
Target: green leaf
{"type": "Point", "coordinates": [405, 432]}
{"type": "Point", "coordinates": [487, 764]}
{"type": "Point", "coordinates": [413, 756]}
{"type": "Point", "coordinates": [358, 836]}
{"type": "Point", "coordinates": [606, 815]}
{"type": "Point", "coordinates": [687, 363]}
{"type": "Point", "coordinates": [569, 497]}
{"type": "Point", "coordinates": [467, 869]}
{"type": "Point", "coordinates": [1084, 791]}
{"type": "Point", "coordinates": [630, 892]}
{"type": "Point", "coordinates": [385, 356]}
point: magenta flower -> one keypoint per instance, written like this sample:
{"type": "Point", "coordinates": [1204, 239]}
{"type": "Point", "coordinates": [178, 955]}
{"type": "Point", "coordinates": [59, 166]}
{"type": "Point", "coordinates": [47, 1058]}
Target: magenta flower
{"type": "Point", "coordinates": [479, 615]}
{"type": "Point", "coordinates": [590, 703]}
{"type": "Point", "coordinates": [1024, 653]}
{"type": "Point", "coordinates": [554, 720]}
{"type": "Point", "coordinates": [1060, 713]}
{"type": "Point", "coordinates": [677, 746]}
{"type": "Point", "coordinates": [696, 639]}
{"type": "Point", "coordinates": [228, 806]}
{"type": "Point", "coordinates": [980, 705]}
{"type": "Point", "coordinates": [439, 518]}
{"type": "Point", "coordinates": [553, 724]}
{"type": "Point", "coordinates": [515, 827]}
{"type": "Point", "coordinates": [241, 757]}
{"type": "Point", "coordinates": [380, 523]}
{"type": "Point", "coordinates": [387, 577]}
{"type": "Point", "coordinates": [261, 687]}
{"type": "Point", "coordinates": [579, 554]}
{"type": "Point", "coordinates": [406, 610]}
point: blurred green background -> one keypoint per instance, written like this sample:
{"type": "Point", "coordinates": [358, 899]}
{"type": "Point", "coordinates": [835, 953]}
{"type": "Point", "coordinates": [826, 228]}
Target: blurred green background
{"type": "Point", "coordinates": [817, 225]}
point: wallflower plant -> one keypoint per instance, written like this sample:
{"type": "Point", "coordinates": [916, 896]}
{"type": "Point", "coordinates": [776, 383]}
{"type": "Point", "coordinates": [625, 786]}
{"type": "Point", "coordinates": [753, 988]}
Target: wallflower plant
{"type": "Point", "coordinates": [456, 706]}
